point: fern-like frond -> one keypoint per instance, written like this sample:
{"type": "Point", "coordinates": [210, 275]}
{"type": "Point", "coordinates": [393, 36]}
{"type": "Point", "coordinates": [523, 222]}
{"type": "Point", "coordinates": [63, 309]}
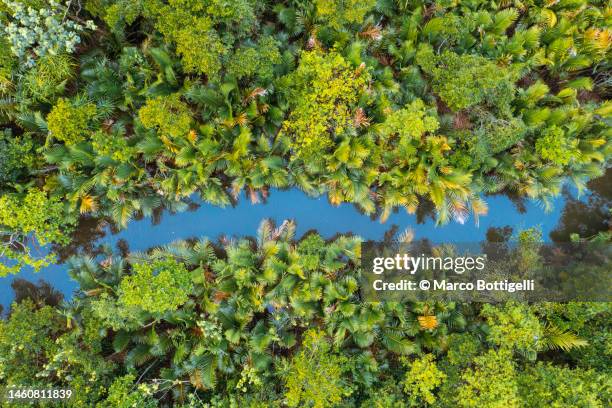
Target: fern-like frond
{"type": "Point", "coordinates": [553, 338]}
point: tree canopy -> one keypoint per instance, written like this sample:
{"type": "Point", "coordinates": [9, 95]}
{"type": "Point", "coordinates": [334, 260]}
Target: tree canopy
{"type": "Point", "coordinates": [115, 109]}
{"type": "Point", "coordinates": [277, 321]}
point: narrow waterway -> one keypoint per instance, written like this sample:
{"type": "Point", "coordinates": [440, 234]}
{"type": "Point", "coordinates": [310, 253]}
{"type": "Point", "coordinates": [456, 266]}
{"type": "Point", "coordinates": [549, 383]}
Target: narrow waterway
{"type": "Point", "coordinates": [309, 213]}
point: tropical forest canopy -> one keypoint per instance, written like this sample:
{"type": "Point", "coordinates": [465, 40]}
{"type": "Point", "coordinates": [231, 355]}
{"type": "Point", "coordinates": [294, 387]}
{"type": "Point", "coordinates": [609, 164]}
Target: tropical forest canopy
{"type": "Point", "coordinates": [114, 109]}
{"type": "Point", "coordinates": [273, 321]}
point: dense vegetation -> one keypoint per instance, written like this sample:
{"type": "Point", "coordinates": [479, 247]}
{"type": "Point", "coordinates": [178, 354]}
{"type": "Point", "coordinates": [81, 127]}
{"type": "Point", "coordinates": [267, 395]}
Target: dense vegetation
{"type": "Point", "coordinates": [271, 321]}
{"type": "Point", "coordinates": [114, 109]}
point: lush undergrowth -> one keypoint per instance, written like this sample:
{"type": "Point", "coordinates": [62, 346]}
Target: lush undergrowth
{"type": "Point", "coordinates": [115, 108]}
{"type": "Point", "coordinates": [275, 322]}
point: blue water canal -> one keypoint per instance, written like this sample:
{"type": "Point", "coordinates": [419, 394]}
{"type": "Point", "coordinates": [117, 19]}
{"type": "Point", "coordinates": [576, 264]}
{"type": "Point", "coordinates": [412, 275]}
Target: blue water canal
{"type": "Point", "coordinates": [309, 213]}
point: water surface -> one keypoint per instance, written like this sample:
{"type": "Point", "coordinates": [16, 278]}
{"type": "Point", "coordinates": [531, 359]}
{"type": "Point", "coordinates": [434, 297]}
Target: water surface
{"type": "Point", "coordinates": [309, 213]}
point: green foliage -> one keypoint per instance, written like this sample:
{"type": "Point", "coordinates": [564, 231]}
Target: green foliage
{"type": "Point", "coordinates": [69, 121]}
{"type": "Point", "coordinates": [76, 360]}
{"type": "Point", "coordinates": [491, 382]}
{"type": "Point", "coordinates": [324, 92]}
{"type": "Point", "coordinates": [16, 157]}
{"type": "Point", "coordinates": [121, 394]}
{"type": "Point", "coordinates": [205, 60]}
{"type": "Point", "coordinates": [337, 13]}
{"type": "Point", "coordinates": [463, 81]}
{"type": "Point", "coordinates": [112, 145]}
{"type": "Point", "coordinates": [513, 326]}
{"type": "Point", "coordinates": [410, 122]}
{"type": "Point", "coordinates": [32, 215]}
{"type": "Point", "coordinates": [314, 378]}
{"type": "Point", "coordinates": [546, 385]}
{"type": "Point", "coordinates": [499, 134]}
{"type": "Point", "coordinates": [107, 309]}
{"type": "Point", "coordinates": [8, 63]}
{"type": "Point", "coordinates": [155, 287]}
{"type": "Point", "coordinates": [553, 145]}
{"type": "Point", "coordinates": [528, 254]}
{"type": "Point", "coordinates": [383, 104]}
{"type": "Point", "coordinates": [168, 114]}
{"type": "Point", "coordinates": [274, 321]}
{"type": "Point", "coordinates": [313, 95]}
{"type": "Point", "coordinates": [49, 77]}
{"type": "Point", "coordinates": [190, 24]}
{"type": "Point", "coordinates": [257, 60]}
{"type": "Point", "coordinates": [589, 322]}
{"type": "Point", "coordinates": [27, 339]}
{"type": "Point", "coordinates": [421, 379]}
{"type": "Point", "coordinates": [44, 31]}
{"type": "Point", "coordinates": [424, 159]}
{"type": "Point", "coordinates": [386, 395]}
{"type": "Point", "coordinates": [462, 349]}
{"type": "Point", "coordinates": [554, 338]}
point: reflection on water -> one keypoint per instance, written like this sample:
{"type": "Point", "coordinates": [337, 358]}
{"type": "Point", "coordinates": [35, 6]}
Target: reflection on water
{"type": "Point", "coordinates": [85, 239]}
{"type": "Point", "coordinates": [41, 293]}
{"type": "Point", "coordinates": [317, 214]}
{"type": "Point", "coordinates": [589, 215]}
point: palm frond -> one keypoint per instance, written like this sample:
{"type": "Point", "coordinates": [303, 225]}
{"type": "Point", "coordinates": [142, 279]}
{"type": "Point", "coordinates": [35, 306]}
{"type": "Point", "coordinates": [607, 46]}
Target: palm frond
{"type": "Point", "coordinates": [553, 338]}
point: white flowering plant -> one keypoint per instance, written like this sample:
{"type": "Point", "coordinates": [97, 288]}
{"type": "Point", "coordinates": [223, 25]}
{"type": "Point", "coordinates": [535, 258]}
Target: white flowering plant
{"type": "Point", "coordinates": [47, 31]}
